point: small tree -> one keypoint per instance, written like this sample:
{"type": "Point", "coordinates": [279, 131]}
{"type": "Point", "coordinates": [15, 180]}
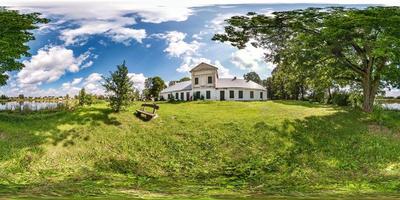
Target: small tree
{"type": "Point", "coordinates": [119, 86]}
{"type": "Point", "coordinates": [82, 97]}
{"type": "Point", "coordinates": [184, 79]}
{"type": "Point", "coordinates": [252, 76]}
{"type": "Point", "coordinates": [153, 87]}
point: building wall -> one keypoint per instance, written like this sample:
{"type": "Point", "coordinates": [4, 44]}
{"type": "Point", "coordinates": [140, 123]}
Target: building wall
{"type": "Point", "coordinates": [215, 94]}
{"type": "Point", "coordinates": [203, 78]}
{"type": "Point", "coordinates": [246, 94]}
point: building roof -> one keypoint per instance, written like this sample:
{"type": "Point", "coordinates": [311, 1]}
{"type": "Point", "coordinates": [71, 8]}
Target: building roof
{"type": "Point", "coordinates": [185, 85]}
{"type": "Point", "coordinates": [238, 83]}
{"type": "Point", "coordinates": [203, 66]}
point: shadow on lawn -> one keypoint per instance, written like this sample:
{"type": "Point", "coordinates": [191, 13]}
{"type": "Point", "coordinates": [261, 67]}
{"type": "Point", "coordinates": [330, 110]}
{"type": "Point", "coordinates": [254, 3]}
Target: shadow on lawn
{"type": "Point", "coordinates": [321, 153]}
{"type": "Point", "coordinates": [301, 103]}
{"type": "Point", "coordinates": [31, 128]}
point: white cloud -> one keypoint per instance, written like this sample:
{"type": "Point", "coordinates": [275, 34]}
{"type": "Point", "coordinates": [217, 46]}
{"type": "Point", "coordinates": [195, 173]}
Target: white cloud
{"type": "Point", "coordinates": [49, 64]}
{"type": "Point", "coordinates": [189, 62]}
{"type": "Point", "coordinates": [138, 80]}
{"type": "Point", "coordinates": [251, 59]}
{"type": "Point", "coordinates": [92, 84]}
{"type": "Point", "coordinates": [76, 81]}
{"type": "Point", "coordinates": [223, 72]}
{"type": "Point", "coordinates": [177, 47]}
{"type": "Point", "coordinates": [116, 29]}
{"type": "Point", "coordinates": [218, 23]}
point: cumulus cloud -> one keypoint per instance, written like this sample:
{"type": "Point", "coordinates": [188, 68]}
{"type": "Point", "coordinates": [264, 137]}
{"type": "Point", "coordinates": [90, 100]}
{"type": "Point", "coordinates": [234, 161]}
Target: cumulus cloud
{"type": "Point", "coordinates": [49, 64]}
{"type": "Point", "coordinates": [218, 23]}
{"type": "Point", "coordinates": [177, 47]}
{"type": "Point", "coordinates": [251, 59]}
{"type": "Point", "coordinates": [223, 72]}
{"type": "Point", "coordinates": [116, 29]}
{"type": "Point", "coordinates": [138, 80]}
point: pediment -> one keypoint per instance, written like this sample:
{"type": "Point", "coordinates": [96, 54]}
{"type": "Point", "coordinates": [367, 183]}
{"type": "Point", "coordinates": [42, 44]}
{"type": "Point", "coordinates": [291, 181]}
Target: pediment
{"type": "Point", "coordinates": [203, 66]}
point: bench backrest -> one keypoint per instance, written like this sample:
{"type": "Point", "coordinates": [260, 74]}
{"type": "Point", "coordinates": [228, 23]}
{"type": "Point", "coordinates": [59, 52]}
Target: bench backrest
{"type": "Point", "coordinates": [153, 105]}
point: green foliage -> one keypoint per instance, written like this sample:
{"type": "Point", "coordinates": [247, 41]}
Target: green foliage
{"type": "Point", "coordinates": [377, 115]}
{"type": "Point", "coordinates": [120, 88]}
{"type": "Point", "coordinates": [153, 87]}
{"type": "Point", "coordinates": [252, 76]}
{"type": "Point", "coordinates": [15, 33]}
{"type": "Point", "coordinates": [3, 97]}
{"type": "Point", "coordinates": [341, 98]}
{"type": "Point", "coordinates": [85, 98]}
{"type": "Point", "coordinates": [184, 79]}
{"type": "Point", "coordinates": [332, 45]}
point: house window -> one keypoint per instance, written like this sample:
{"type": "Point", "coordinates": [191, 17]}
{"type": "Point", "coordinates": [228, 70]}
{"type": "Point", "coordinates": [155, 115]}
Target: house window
{"type": "Point", "coordinates": [240, 94]}
{"type": "Point", "coordinates": [197, 95]}
{"type": "Point", "coordinates": [231, 94]}
{"type": "Point", "coordinates": [210, 79]}
{"type": "Point", "coordinates": [182, 96]}
{"type": "Point", "coordinates": [251, 94]}
{"type": "Point", "coordinates": [176, 96]}
{"type": "Point", "coordinates": [169, 96]}
{"type": "Point", "coordinates": [196, 81]}
{"type": "Point", "coordinates": [261, 95]}
{"type": "Point", "coordinates": [208, 94]}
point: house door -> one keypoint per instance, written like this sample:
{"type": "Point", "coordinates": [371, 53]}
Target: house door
{"type": "Point", "coordinates": [187, 96]}
{"type": "Point", "coordinates": [222, 95]}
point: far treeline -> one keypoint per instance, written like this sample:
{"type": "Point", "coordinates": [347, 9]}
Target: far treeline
{"type": "Point", "coordinates": [319, 49]}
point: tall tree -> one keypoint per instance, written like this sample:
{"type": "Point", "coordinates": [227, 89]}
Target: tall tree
{"type": "Point", "coordinates": [153, 86]}
{"type": "Point", "coordinates": [15, 33]}
{"type": "Point", "coordinates": [359, 46]}
{"type": "Point", "coordinates": [252, 76]}
{"type": "Point", "coordinates": [184, 79]}
{"type": "Point", "coordinates": [119, 86]}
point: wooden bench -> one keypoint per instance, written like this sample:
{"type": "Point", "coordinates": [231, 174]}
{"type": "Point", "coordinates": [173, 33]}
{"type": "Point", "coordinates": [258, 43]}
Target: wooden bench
{"type": "Point", "coordinates": [149, 115]}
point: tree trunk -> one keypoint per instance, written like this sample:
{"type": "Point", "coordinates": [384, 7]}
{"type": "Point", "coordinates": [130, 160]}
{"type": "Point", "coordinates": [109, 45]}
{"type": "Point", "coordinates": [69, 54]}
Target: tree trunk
{"type": "Point", "coordinates": [370, 87]}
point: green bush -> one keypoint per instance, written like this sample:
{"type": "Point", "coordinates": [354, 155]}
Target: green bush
{"type": "Point", "coordinates": [377, 114]}
{"type": "Point", "coordinates": [340, 98]}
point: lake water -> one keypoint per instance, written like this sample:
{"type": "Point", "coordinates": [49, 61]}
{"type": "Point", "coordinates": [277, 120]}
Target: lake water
{"type": "Point", "coordinates": [391, 106]}
{"type": "Point", "coordinates": [29, 106]}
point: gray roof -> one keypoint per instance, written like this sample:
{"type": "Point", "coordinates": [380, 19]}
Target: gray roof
{"type": "Point", "coordinates": [238, 83]}
{"type": "Point", "coordinates": [185, 85]}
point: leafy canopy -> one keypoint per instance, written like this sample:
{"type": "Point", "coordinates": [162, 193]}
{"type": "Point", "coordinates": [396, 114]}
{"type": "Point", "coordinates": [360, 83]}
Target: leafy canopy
{"type": "Point", "coordinates": [359, 46]}
{"type": "Point", "coordinates": [252, 76]}
{"type": "Point", "coordinates": [15, 33]}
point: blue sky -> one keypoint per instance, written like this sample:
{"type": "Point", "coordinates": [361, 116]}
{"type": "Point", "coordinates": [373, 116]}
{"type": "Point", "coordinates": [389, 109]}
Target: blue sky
{"type": "Point", "coordinates": [156, 38]}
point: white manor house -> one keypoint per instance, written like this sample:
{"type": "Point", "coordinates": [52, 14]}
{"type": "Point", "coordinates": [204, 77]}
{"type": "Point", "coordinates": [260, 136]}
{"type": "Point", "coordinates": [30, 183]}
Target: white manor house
{"type": "Point", "coordinates": [205, 84]}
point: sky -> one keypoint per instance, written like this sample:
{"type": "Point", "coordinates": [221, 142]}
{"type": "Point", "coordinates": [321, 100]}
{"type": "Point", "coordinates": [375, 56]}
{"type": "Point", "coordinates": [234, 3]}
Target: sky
{"type": "Point", "coordinates": [86, 40]}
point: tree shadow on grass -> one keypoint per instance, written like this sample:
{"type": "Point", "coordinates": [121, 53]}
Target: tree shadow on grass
{"type": "Point", "coordinates": [315, 153]}
{"type": "Point", "coordinates": [336, 150]}
{"type": "Point", "coordinates": [29, 132]}
{"type": "Point", "coordinates": [301, 103]}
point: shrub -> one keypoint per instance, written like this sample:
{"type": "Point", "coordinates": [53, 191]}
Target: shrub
{"type": "Point", "coordinates": [377, 114]}
{"type": "Point", "coordinates": [340, 98]}
{"type": "Point", "coordinates": [356, 99]}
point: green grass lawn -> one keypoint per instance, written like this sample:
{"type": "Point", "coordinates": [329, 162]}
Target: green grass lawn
{"type": "Point", "coordinates": [200, 150]}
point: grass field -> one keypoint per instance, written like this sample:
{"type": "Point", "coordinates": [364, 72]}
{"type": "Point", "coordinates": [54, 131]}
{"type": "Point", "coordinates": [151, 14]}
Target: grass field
{"type": "Point", "coordinates": [201, 150]}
